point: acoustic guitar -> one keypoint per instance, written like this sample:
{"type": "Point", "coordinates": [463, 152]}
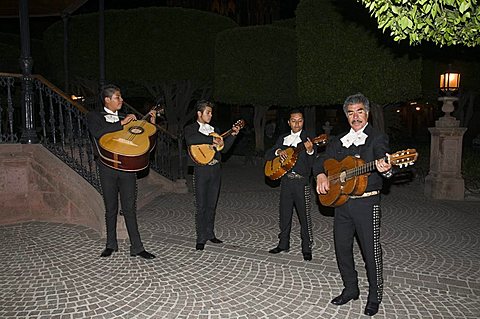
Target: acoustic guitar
{"type": "Point", "coordinates": [128, 149]}
{"type": "Point", "coordinates": [202, 154]}
{"type": "Point", "coordinates": [350, 175]}
{"type": "Point", "coordinates": [276, 168]}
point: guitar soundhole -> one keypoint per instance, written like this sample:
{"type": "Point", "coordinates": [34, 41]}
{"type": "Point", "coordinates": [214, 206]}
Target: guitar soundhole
{"type": "Point", "coordinates": [136, 130]}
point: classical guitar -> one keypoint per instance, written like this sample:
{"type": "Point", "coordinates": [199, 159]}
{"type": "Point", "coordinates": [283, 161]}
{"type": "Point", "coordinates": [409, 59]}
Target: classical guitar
{"type": "Point", "coordinates": [129, 148]}
{"type": "Point", "coordinates": [276, 168]}
{"type": "Point", "coordinates": [202, 154]}
{"type": "Point", "coordinates": [350, 175]}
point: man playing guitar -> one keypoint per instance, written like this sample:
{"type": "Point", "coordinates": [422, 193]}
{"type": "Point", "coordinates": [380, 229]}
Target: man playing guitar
{"type": "Point", "coordinates": [113, 181]}
{"type": "Point", "coordinates": [295, 186]}
{"type": "Point", "coordinates": [360, 215]}
{"type": "Point", "coordinates": [206, 178]}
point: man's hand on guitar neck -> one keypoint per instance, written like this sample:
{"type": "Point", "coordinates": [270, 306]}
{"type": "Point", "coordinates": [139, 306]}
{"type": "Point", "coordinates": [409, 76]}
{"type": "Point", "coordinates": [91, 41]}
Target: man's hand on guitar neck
{"type": "Point", "coordinates": [128, 119]}
{"type": "Point", "coordinates": [235, 130]}
{"type": "Point", "coordinates": [323, 186]}
{"type": "Point", "coordinates": [153, 116]}
{"type": "Point", "coordinates": [382, 166]}
{"type": "Point", "coordinates": [308, 146]}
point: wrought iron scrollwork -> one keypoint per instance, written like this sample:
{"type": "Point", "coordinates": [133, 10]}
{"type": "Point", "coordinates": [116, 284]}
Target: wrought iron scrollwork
{"type": "Point", "coordinates": [62, 127]}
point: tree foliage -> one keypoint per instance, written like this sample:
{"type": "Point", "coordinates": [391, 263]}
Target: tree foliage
{"type": "Point", "coordinates": [338, 57]}
{"type": "Point", "coordinates": [444, 22]}
{"type": "Point", "coordinates": [256, 66]}
{"type": "Point", "coordinates": [145, 44]}
{"type": "Point", "coordinates": [167, 52]}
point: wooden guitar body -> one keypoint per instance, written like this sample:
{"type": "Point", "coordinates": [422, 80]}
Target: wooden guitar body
{"type": "Point", "coordinates": [342, 187]}
{"type": "Point", "coordinates": [202, 154]}
{"type": "Point", "coordinates": [276, 168]}
{"type": "Point", "coordinates": [128, 149]}
{"type": "Point", "coordinates": [350, 176]}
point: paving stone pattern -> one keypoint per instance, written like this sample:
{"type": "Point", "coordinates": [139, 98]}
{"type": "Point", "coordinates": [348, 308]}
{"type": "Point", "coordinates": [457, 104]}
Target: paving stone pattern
{"type": "Point", "coordinates": [431, 262]}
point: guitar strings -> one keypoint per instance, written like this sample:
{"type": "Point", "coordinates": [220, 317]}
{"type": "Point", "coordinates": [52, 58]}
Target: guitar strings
{"type": "Point", "coordinates": [142, 124]}
{"type": "Point", "coordinates": [359, 170]}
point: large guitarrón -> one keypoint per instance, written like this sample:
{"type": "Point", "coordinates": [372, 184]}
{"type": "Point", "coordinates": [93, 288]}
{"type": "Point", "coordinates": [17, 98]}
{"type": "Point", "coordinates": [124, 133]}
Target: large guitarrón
{"type": "Point", "coordinates": [128, 149]}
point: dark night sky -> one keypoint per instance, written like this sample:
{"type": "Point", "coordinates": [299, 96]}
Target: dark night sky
{"type": "Point", "coordinates": [38, 25]}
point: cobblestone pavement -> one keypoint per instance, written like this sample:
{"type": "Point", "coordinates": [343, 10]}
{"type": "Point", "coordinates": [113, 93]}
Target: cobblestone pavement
{"type": "Point", "coordinates": [431, 262]}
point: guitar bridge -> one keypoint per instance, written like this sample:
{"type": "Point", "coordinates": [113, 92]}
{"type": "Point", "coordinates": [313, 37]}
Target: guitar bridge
{"type": "Point", "coordinates": [125, 141]}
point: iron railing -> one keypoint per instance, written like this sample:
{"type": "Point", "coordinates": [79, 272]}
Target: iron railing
{"type": "Point", "coordinates": [62, 128]}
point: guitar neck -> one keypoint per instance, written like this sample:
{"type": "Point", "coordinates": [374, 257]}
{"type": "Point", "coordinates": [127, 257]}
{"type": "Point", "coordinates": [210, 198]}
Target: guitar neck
{"type": "Point", "coordinates": [300, 148]}
{"type": "Point", "coordinates": [227, 133]}
{"type": "Point", "coordinates": [363, 169]}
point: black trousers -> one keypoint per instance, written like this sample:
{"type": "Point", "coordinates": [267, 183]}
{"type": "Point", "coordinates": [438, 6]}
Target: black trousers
{"type": "Point", "coordinates": [360, 216]}
{"type": "Point", "coordinates": [295, 192]}
{"type": "Point", "coordinates": [206, 185]}
{"type": "Point", "coordinates": [116, 182]}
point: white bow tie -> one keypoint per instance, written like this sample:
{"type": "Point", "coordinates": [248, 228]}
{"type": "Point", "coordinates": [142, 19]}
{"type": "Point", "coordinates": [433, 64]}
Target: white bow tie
{"type": "Point", "coordinates": [111, 118]}
{"type": "Point", "coordinates": [292, 139]}
{"type": "Point", "coordinates": [205, 128]}
{"type": "Point", "coordinates": [355, 138]}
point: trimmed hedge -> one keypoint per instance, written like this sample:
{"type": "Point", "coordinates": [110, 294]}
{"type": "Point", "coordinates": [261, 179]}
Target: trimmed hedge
{"type": "Point", "coordinates": [338, 57]}
{"type": "Point", "coordinates": [10, 46]}
{"type": "Point", "coordinates": [145, 44]}
{"type": "Point", "coordinates": [256, 65]}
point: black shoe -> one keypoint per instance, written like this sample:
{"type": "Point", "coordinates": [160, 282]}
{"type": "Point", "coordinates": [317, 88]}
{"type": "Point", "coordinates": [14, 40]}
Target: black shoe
{"type": "Point", "coordinates": [144, 254]}
{"type": "Point", "coordinates": [216, 240]}
{"type": "Point", "coordinates": [371, 308]}
{"type": "Point", "coordinates": [107, 252]}
{"type": "Point", "coordinates": [307, 256]}
{"type": "Point", "coordinates": [276, 250]}
{"type": "Point", "coordinates": [344, 298]}
{"type": "Point", "coordinates": [200, 246]}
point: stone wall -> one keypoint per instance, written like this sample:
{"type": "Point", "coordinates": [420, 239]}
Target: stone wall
{"type": "Point", "coordinates": [36, 185]}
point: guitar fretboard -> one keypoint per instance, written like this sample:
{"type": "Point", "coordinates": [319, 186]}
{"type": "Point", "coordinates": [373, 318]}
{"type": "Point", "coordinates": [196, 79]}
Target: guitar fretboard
{"type": "Point", "coordinates": [356, 171]}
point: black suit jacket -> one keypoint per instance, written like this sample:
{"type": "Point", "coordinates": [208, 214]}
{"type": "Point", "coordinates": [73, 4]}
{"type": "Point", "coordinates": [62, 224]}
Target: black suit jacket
{"type": "Point", "coordinates": [304, 163]}
{"type": "Point", "coordinates": [375, 147]}
{"type": "Point", "coordinates": [194, 137]}
{"type": "Point", "coordinates": [98, 126]}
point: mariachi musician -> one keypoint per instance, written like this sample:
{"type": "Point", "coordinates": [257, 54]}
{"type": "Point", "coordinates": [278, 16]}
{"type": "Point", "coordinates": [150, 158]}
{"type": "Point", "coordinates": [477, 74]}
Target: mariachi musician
{"type": "Point", "coordinates": [360, 215]}
{"type": "Point", "coordinates": [295, 185]}
{"type": "Point", "coordinates": [114, 181]}
{"type": "Point", "coordinates": [206, 176]}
